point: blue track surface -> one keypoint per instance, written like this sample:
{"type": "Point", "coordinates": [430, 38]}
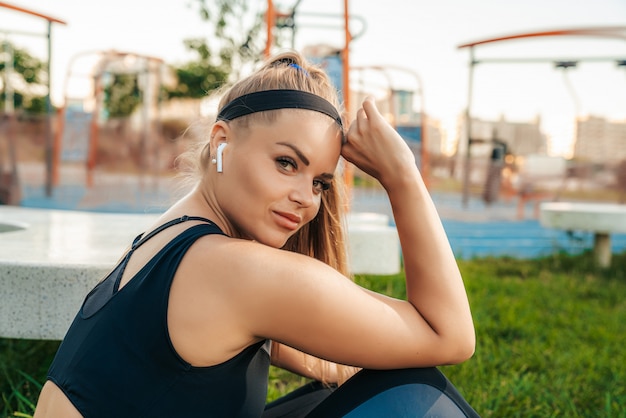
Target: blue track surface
{"type": "Point", "coordinates": [473, 231]}
{"type": "Point", "coordinates": [521, 239]}
{"type": "Point", "coordinates": [479, 230]}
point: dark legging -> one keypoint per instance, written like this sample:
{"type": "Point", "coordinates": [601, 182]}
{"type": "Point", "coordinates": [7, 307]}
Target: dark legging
{"type": "Point", "coordinates": [376, 393]}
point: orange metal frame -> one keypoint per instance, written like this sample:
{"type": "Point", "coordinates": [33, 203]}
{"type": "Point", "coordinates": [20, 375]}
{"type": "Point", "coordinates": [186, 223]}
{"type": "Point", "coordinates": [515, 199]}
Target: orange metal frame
{"type": "Point", "coordinates": [32, 13]}
{"type": "Point", "coordinates": [97, 92]}
{"type": "Point", "coordinates": [618, 32]}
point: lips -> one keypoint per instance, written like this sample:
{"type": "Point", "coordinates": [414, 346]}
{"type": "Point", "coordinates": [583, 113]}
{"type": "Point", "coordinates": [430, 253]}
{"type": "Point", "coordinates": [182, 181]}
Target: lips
{"type": "Point", "coordinates": [288, 220]}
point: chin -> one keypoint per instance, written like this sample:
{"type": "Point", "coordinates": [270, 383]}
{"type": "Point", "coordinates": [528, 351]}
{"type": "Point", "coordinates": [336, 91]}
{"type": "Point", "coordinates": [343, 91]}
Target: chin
{"type": "Point", "coordinates": [272, 237]}
{"type": "Point", "coordinates": [274, 242]}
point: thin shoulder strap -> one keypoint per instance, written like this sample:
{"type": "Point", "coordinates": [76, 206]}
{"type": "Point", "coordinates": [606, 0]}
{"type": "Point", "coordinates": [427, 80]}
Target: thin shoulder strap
{"type": "Point", "coordinates": [141, 239]}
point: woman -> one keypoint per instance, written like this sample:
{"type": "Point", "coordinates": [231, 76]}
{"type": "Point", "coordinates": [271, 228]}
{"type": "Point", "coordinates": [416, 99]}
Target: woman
{"type": "Point", "coordinates": [183, 325]}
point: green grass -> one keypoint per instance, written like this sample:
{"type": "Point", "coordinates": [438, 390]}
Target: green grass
{"type": "Point", "coordinates": [551, 341]}
{"type": "Point", "coordinates": [23, 366]}
{"type": "Point", "coordinates": [551, 338]}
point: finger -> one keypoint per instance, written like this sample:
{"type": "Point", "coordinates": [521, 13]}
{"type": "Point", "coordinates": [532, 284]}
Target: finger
{"type": "Point", "coordinates": [361, 120]}
{"type": "Point", "coordinates": [369, 104]}
{"type": "Point", "coordinates": [370, 109]}
{"type": "Point", "coordinates": [353, 131]}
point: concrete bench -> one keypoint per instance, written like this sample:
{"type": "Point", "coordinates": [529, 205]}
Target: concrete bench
{"type": "Point", "coordinates": [50, 259]}
{"type": "Point", "coordinates": [600, 218]}
{"type": "Point", "coordinates": [373, 245]}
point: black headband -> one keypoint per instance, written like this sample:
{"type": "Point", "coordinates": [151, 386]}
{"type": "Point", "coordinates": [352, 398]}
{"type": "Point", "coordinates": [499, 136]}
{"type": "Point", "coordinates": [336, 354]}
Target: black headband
{"type": "Point", "coordinates": [278, 99]}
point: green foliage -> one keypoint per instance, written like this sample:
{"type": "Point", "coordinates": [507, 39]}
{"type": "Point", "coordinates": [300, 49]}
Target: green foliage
{"type": "Point", "coordinates": [550, 341]}
{"type": "Point", "coordinates": [122, 95]}
{"type": "Point", "coordinates": [281, 382]}
{"type": "Point", "coordinates": [23, 368]}
{"type": "Point", "coordinates": [236, 42]}
{"type": "Point", "coordinates": [35, 104]}
{"type": "Point", "coordinates": [392, 285]}
{"type": "Point", "coordinates": [31, 69]}
{"type": "Point", "coordinates": [29, 75]}
{"type": "Point", "coordinates": [197, 78]}
{"type": "Point", "coordinates": [550, 338]}
{"type": "Point", "coordinates": [237, 33]}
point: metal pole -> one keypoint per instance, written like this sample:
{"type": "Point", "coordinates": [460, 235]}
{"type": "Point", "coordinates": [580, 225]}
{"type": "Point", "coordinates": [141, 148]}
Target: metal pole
{"type": "Point", "coordinates": [270, 26]}
{"type": "Point", "coordinates": [12, 183]}
{"type": "Point", "coordinates": [348, 169]}
{"type": "Point", "coordinates": [49, 139]}
{"type": "Point", "coordinates": [8, 87]}
{"type": "Point", "coordinates": [98, 90]}
{"type": "Point", "coordinates": [293, 22]}
{"type": "Point", "coordinates": [468, 131]}
{"type": "Point", "coordinates": [424, 123]}
{"type": "Point", "coordinates": [143, 82]}
{"type": "Point", "coordinates": [158, 124]}
{"type": "Point", "coordinates": [346, 57]}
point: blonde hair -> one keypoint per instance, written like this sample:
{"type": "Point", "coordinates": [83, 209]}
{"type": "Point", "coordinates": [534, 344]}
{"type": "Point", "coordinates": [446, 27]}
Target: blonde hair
{"type": "Point", "coordinates": [324, 237]}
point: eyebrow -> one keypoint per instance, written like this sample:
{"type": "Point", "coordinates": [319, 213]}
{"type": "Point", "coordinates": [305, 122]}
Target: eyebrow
{"type": "Point", "coordinates": [297, 151]}
{"type": "Point", "coordinates": [302, 157]}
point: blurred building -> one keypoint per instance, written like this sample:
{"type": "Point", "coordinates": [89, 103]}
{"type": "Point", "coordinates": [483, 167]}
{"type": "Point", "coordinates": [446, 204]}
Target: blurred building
{"type": "Point", "coordinates": [491, 141]}
{"type": "Point", "coordinates": [521, 138]}
{"type": "Point", "coordinates": [599, 140]}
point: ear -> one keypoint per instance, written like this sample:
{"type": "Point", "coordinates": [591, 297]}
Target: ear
{"type": "Point", "coordinates": [220, 132]}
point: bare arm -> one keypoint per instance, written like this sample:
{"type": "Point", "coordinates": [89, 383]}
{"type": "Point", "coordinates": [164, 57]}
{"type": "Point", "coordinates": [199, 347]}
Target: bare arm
{"type": "Point", "coordinates": [305, 304]}
{"type": "Point", "coordinates": [434, 284]}
{"type": "Point", "coordinates": [308, 366]}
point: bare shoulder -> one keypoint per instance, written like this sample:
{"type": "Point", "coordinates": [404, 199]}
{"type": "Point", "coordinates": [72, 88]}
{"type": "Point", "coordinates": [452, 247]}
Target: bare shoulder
{"type": "Point", "coordinates": [250, 261]}
{"type": "Point", "coordinates": [265, 280]}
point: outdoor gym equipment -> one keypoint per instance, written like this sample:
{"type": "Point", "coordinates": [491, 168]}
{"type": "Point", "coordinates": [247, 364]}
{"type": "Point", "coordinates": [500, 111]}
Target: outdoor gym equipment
{"type": "Point", "coordinates": [618, 32]}
{"type": "Point", "coordinates": [79, 118]}
{"type": "Point", "coordinates": [9, 183]}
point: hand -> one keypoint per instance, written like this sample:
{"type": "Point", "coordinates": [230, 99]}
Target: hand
{"type": "Point", "coordinates": [375, 147]}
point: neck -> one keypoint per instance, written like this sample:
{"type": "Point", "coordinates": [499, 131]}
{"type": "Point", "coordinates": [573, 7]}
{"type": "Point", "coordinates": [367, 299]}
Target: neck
{"type": "Point", "coordinates": [202, 202]}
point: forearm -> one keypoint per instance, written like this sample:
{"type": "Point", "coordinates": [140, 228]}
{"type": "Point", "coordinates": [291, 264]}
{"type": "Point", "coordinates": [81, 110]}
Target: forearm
{"type": "Point", "coordinates": [309, 366]}
{"type": "Point", "coordinates": [433, 281]}
{"type": "Point", "coordinates": [435, 289]}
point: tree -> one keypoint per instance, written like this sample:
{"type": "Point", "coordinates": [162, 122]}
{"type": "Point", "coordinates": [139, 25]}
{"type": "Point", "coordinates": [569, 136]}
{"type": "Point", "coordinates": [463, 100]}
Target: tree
{"type": "Point", "coordinates": [197, 78]}
{"type": "Point", "coordinates": [28, 79]}
{"type": "Point", "coordinates": [237, 32]}
{"type": "Point", "coordinates": [237, 43]}
{"type": "Point", "coordinates": [122, 95]}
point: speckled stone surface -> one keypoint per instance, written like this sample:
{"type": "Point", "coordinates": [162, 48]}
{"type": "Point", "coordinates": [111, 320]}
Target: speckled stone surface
{"type": "Point", "coordinates": [50, 259]}
{"type": "Point", "coordinates": [373, 249]}
{"type": "Point", "coordinates": [373, 245]}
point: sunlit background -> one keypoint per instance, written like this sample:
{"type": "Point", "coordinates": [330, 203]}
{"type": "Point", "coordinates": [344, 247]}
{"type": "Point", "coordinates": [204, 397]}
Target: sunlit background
{"type": "Point", "coordinates": [420, 36]}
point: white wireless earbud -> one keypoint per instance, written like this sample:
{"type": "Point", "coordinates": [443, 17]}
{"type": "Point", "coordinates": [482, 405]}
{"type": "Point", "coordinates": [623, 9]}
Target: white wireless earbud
{"type": "Point", "coordinates": [218, 157]}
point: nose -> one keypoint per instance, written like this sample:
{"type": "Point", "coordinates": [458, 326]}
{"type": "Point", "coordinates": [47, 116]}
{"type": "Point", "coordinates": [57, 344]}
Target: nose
{"type": "Point", "coordinates": [302, 193]}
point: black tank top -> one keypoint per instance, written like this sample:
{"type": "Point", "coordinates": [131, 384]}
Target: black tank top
{"type": "Point", "coordinates": [117, 359]}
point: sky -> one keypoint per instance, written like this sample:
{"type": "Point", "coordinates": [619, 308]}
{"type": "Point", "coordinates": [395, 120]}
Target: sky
{"type": "Point", "coordinates": [420, 37]}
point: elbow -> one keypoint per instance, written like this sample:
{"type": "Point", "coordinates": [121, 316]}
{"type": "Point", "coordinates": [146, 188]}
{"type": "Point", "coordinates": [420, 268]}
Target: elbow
{"type": "Point", "coordinates": [464, 353]}
{"type": "Point", "coordinates": [462, 348]}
